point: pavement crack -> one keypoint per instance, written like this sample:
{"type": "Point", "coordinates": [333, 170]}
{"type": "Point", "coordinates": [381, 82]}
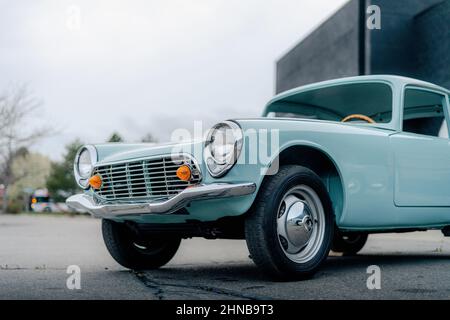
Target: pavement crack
{"type": "Point", "coordinates": [160, 292]}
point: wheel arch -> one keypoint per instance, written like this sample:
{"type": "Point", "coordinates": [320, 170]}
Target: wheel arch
{"type": "Point", "coordinates": [320, 162]}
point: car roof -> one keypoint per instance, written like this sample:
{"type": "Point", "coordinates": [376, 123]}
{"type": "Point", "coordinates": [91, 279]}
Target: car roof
{"type": "Point", "coordinates": [399, 80]}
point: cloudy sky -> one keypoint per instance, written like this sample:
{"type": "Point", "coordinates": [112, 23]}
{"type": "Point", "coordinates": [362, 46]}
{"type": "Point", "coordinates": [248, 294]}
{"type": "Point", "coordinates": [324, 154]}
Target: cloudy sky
{"type": "Point", "coordinates": [150, 66]}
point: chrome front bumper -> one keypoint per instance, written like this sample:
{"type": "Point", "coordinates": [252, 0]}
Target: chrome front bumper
{"type": "Point", "coordinates": [201, 192]}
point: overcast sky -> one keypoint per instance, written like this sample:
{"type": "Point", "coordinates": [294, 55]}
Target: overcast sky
{"type": "Point", "coordinates": [147, 66]}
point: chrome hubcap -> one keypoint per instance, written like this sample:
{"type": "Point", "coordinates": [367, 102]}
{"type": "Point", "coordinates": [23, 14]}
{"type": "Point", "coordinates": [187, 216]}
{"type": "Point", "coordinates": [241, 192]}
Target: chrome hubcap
{"type": "Point", "coordinates": [296, 225]}
{"type": "Point", "coordinates": [300, 224]}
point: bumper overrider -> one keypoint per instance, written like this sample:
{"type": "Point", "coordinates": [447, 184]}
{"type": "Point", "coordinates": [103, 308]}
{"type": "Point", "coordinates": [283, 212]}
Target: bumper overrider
{"type": "Point", "coordinates": [86, 202]}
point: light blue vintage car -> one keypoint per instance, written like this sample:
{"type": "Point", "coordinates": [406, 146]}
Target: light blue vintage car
{"type": "Point", "coordinates": [325, 165]}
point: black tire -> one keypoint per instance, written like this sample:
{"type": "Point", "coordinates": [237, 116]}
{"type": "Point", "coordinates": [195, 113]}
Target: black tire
{"type": "Point", "coordinates": [261, 233]}
{"type": "Point", "coordinates": [136, 254]}
{"type": "Point", "coordinates": [349, 243]}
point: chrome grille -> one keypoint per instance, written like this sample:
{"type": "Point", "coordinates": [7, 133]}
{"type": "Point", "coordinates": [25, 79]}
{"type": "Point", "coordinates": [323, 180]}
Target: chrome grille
{"type": "Point", "coordinates": [153, 178]}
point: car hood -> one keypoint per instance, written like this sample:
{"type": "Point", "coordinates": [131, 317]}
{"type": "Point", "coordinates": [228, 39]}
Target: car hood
{"type": "Point", "coordinates": [114, 152]}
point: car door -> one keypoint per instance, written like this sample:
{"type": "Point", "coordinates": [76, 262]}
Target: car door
{"type": "Point", "coordinates": [421, 152]}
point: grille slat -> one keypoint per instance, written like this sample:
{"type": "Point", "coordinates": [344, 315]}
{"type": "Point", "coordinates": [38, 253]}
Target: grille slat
{"type": "Point", "coordinates": [144, 179]}
{"type": "Point", "coordinates": [125, 180]}
{"type": "Point", "coordinates": [139, 176]}
{"type": "Point", "coordinates": [134, 171]}
{"type": "Point", "coordinates": [137, 169]}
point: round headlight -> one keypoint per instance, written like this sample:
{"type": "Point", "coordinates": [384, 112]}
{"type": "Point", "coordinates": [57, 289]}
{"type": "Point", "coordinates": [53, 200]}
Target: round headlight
{"type": "Point", "coordinates": [84, 163]}
{"type": "Point", "coordinates": [222, 148]}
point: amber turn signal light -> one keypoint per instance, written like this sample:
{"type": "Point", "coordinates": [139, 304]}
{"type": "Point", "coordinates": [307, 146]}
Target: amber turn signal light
{"type": "Point", "coordinates": [95, 182]}
{"type": "Point", "coordinates": [184, 173]}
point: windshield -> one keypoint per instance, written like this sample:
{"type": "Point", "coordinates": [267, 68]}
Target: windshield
{"type": "Point", "coordinates": [334, 103]}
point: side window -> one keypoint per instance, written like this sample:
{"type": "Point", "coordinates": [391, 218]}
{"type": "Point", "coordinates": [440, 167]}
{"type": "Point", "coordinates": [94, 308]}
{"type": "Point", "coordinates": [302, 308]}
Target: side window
{"type": "Point", "coordinates": [424, 113]}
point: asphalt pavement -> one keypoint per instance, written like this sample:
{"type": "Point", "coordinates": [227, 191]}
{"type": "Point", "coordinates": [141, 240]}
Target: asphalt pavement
{"type": "Point", "coordinates": [36, 250]}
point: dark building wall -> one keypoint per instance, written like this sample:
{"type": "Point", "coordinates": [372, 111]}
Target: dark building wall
{"type": "Point", "coordinates": [392, 50]}
{"type": "Point", "coordinates": [433, 45]}
{"type": "Point", "coordinates": [331, 51]}
{"type": "Point", "coordinates": [414, 41]}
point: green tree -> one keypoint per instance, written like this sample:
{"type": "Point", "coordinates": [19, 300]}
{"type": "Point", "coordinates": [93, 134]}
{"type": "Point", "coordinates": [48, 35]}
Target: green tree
{"type": "Point", "coordinates": [115, 137]}
{"type": "Point", "coordinates": [61, 181]}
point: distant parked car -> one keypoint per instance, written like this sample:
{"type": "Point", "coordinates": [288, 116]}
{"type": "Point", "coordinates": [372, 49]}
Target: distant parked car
{"type": "Point", "coordinates": [40, 201]}
{"type": "Point", "coordinates": [354, 156]}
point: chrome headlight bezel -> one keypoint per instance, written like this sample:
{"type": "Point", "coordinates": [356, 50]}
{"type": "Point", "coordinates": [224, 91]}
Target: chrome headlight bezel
{"type": "Point", "coordinates": [83, 179]}
{"type": "Point", "coordinates": [215, 168]}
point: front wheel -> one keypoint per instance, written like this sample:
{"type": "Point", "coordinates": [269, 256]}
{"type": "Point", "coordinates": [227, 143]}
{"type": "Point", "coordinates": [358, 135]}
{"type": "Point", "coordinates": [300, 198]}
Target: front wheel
{"type": "Point", "coordinates": [290, 227]}
{"type": "Point", "coordinates": [134, 253]}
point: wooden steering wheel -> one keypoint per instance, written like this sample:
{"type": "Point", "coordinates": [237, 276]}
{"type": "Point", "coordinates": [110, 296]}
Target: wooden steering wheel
{"type": "Point", "coordinates": [358, 116]}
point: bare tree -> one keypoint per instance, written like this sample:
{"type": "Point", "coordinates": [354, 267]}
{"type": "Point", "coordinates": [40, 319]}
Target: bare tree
{"type": "Point", "coordinates": [16, 106]}
{"type": "Point", "coordinates": [149, 138]}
